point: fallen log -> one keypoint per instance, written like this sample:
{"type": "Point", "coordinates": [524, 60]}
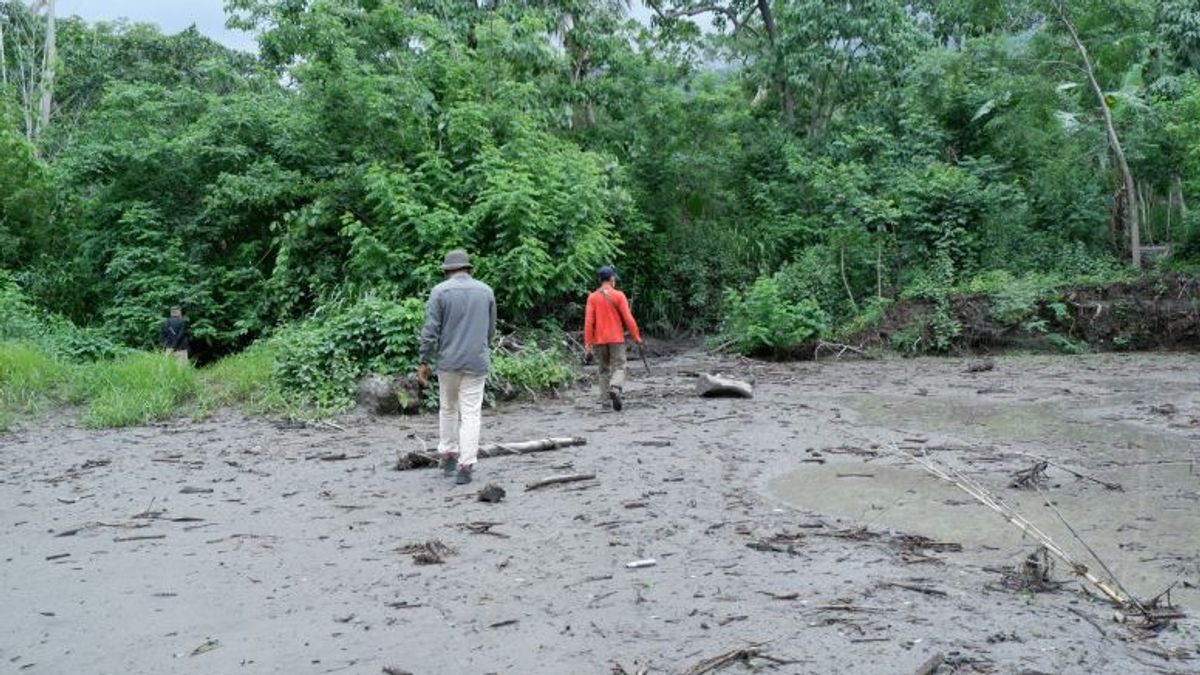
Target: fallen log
{"type": "Point", "coordinates": [556, 480]}
{"type": "Point", "coordinates": [715, 386]}
{"type": "Point", "coordinates": [425, 460]}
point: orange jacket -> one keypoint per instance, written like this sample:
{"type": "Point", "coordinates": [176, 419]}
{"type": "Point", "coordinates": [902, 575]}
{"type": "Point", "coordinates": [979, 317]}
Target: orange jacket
{"type": "Point", "coordinates": [605, 322]}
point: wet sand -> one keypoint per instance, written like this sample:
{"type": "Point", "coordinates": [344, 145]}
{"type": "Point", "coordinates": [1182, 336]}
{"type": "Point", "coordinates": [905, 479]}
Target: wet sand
{"type": "Point", "coordinates": [274, 560]}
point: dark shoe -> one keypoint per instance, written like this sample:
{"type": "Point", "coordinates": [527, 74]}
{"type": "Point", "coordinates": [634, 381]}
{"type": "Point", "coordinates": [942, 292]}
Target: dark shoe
{"type": "Point", "coordinates": [614, 395]}
{"type": "Point", "coordinates": [464, 475]}
{"type": "Point", "coordinates": [449, 465]}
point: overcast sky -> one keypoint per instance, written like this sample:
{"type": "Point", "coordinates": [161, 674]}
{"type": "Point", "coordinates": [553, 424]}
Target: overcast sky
{"type": "Point", "coordinates": [173, 16]}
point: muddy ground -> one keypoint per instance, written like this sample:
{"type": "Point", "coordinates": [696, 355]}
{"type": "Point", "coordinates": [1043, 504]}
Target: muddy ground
{"type": "Point", "coordinates": [256, 555]}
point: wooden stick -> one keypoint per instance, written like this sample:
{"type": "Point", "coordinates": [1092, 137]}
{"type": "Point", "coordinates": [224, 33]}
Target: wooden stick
{"type": "Point", "coordinates": [555, 480]}
{"type": "Point", "coordinates": [986, 498]}
{"type": "Point", "coordinates": [913, 587]}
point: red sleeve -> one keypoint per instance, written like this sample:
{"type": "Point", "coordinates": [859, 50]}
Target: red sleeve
{"type": "Point", "coordinates": [627, 317]}
{"type": "Point", "coordinates": [589, 322]}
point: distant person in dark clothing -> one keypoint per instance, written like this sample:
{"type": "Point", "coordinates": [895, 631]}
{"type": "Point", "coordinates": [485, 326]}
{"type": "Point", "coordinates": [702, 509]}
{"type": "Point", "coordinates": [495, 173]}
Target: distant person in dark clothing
{"type": "Point", "coordinates": [174, 335]}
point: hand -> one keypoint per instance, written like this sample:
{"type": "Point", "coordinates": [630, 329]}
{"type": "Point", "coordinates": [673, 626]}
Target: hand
{"type": "Point", "coordinates": [423, 374]}
{"type": "Point", "coordinates": [587, 351]}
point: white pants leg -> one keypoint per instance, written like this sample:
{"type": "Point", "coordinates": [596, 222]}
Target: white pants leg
{"type": "Point", "coordinates": [470, 406]}
{"type": "Point", "coordinates": [449, 385]}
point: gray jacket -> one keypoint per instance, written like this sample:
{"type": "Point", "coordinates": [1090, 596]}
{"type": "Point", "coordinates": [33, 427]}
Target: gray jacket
{"type": "Point", "coordinates": [460, 321]}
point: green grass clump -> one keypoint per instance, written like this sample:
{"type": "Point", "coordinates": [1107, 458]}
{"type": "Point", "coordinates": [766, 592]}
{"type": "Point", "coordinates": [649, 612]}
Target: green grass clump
{"type": "Point", "coordinates": [136, 389]}
{"type": "Point", "coordinates": [245, 379]}
{"type": "Point", "coordinates": [29, 378]}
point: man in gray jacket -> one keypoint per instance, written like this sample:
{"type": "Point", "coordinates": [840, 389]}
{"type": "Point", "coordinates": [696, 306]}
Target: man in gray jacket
{"type": "Point", "coordinates": [460, 321]}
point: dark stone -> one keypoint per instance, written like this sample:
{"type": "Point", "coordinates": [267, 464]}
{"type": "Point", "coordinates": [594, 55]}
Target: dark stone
{"type": "Point", "coordinates": [491, 493]}
{"type": "Point", "coordinates": [390, 394]}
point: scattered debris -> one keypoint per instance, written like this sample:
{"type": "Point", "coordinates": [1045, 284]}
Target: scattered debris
{"type": "Point", "coordinates": [491, 493]}
{"type": "Point", "coordinates": [781, 596]}
{"type": "Point", "coordinates": [1108, 485]}
{"type": "Point", "coordinates": [501, 624]}
{"type": "Point", "coordinates": [140, 537]}
{"type": "Point", "coordinates": [914, 587]}
{"type": "Point", "coordinates": [192, 490]}
{"type": "Point", "coordinates": [70, 532]}
{"type": "Point", "coordinates": [1030, 478]}
{"type": "Point", "coordinates": [780, 542]}
{"type": "Point", "coordinates": [1166, 409]}
{"type": "Point", "coordinates": [715, 386]}
{"type": "Point", "coordinates": [638, 564]}
{"type": "Point", "coordinates": [745, 655]}
{"type": "Point", "coordinates": [208, 645]}
{"type": "Point", "coordinates": [482, 527]}
{"type": "Point", "coordinates": [393, 670]}
{"type": "Point", "coordinates": [58, 556]}
{"type": "Point", "coordinates": [432, 552]}
{"type": "Point", "coordinates": [334, 456]}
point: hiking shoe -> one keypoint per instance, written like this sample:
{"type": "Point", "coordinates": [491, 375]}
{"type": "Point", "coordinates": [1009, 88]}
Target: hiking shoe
{"type": "Point", "coordinates": [449, 465]}
{"type": "Point", "coordinates": [464, 475]}
{"type": "Point", "coordinates": [614, 395]}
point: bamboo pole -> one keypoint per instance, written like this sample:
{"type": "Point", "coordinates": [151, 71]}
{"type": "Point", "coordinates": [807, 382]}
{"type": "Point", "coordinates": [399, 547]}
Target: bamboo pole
{"type": "Point", "coordinates": [983, 496]}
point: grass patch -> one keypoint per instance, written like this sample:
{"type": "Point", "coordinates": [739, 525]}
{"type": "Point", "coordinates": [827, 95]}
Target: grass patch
{"type": "Point", "coordinates": [29, 378]}
{"type": "Point", "coordinates": [135, 389]}
{"type": "Point", "coordinates": [246, 379]}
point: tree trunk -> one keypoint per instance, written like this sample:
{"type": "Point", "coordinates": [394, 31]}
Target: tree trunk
{"type": "Point", "coordinates": [3, 56]}
{"type": "Point", "coordinates": [785, 92]}
{"type": "Point", "coordinates": [49, 54]}
{"type": "Point", "coordinates": [1128, 186]}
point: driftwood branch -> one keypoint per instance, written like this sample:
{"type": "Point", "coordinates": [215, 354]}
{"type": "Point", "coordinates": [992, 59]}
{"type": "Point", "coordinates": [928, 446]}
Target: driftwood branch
{"type": "Point", "coordinates": [556, 480]}
{"type": "Point", "coordinates": [838, 350]}
{"type": "Point", "coordinates": [425, 459]}
{"type": "Point", "coordinates": [726, 659]}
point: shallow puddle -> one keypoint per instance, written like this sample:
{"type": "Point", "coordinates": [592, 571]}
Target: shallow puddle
{"type": "Point", "coordinates": [1149, 534]}
{"type": "Point", "coordinates": [1053, 425]}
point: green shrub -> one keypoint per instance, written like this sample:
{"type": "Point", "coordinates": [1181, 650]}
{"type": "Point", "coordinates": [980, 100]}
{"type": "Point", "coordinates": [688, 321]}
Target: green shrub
{"type": "Point", "coordinates": [318, 362]}
{"type": "Point", "coordinates": [528, 371]}
{"type": "Point", "coordinates": [1067, 345]}
{"type": "Point", "coordinates": [135, 389]}
{"type": "Point", "coordinates": [910, 340]}
{"type": "Point", "coordinates": [762, 322]}
{"type": "Point", "coordinates": [871, 316]}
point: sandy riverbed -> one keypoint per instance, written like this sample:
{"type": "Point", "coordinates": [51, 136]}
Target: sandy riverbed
{"type": "Point", "coordinates": [282, 562]}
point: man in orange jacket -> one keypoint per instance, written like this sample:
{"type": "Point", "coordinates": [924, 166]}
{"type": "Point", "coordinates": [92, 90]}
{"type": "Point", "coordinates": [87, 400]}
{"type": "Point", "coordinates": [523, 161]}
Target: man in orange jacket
{"type": "Point", "coordinates": [604, 326]}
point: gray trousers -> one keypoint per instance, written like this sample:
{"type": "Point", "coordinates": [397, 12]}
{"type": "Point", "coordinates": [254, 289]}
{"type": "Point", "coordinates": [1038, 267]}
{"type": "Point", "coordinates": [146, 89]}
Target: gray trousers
{"type": "Point", "coordinates": [611, 359]}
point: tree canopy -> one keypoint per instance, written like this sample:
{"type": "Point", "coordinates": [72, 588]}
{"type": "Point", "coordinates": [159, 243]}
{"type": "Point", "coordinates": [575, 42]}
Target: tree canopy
{"type": "Point", "coordinates": [839, 152]}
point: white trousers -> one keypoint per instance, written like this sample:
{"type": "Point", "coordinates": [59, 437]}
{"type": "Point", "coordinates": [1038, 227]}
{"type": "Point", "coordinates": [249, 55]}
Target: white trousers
{"type": "Point", "coordinates": [461, 400]}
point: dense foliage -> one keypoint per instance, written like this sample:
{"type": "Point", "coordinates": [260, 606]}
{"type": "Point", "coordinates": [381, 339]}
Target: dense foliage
{"type": "Point", "coordinates": [781, 168]}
